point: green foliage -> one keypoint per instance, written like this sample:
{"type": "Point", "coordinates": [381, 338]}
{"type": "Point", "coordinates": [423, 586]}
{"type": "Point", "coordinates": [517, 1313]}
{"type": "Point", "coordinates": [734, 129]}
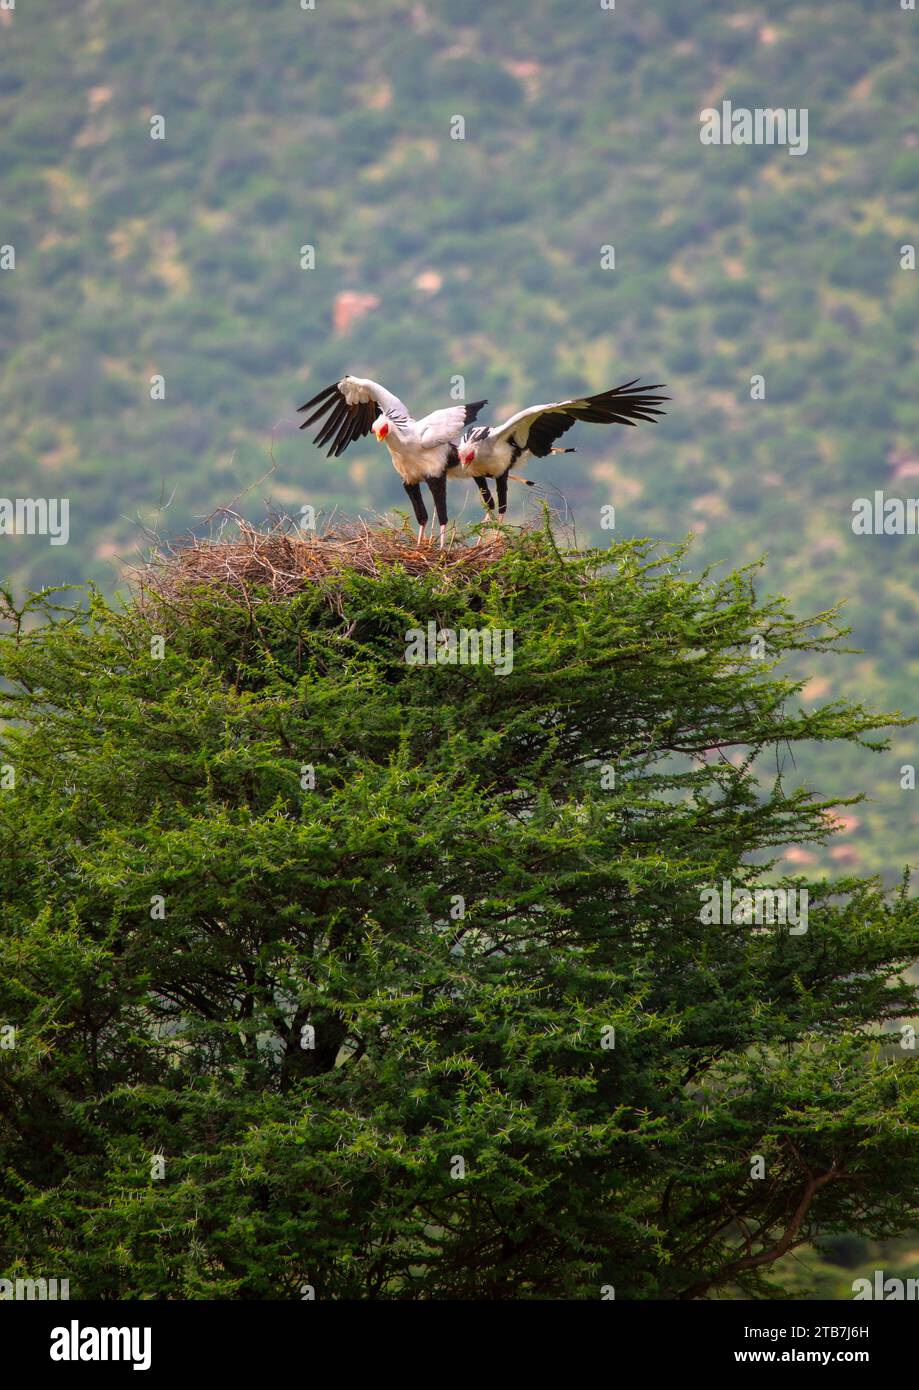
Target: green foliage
{"type": "Point", "coordinates": [437, 1035]}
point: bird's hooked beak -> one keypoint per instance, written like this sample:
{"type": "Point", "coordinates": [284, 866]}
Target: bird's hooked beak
{"type": "Point", "coordinates": [382, 431]}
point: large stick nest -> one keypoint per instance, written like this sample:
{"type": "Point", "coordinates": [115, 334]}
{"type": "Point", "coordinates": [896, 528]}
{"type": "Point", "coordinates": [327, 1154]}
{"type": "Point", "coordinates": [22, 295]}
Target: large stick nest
{"type": "Point", "coordinates": [281, 559]}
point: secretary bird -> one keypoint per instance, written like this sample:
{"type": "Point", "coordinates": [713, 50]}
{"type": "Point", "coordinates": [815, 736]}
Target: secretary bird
{"type": "Point", "coordinates": [491, 451]}
{"type": "Point", "coordinates": [421, 450]}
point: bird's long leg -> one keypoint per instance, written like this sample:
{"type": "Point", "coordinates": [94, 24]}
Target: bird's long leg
{"type": "Point", "coordinates": [418, 507]}
{"type": "Point", "coordinates": [501, 486]}
{"type": "Point", "coordinates": [482, 485]}
{"type": "Point", "coordinates": [438, 488]}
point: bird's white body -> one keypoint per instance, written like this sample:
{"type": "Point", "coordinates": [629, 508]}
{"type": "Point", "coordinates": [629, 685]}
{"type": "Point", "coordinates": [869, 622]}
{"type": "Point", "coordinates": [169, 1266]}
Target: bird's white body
{"type": "Point", "coordinates": [411, 460]}
{"type": "Point", "coordinates": [415, 465]}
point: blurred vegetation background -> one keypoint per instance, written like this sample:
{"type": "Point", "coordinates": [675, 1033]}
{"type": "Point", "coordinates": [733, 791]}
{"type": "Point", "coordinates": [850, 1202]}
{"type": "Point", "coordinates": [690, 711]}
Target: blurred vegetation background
{"type": "Point", "coordinates": [330, 127]}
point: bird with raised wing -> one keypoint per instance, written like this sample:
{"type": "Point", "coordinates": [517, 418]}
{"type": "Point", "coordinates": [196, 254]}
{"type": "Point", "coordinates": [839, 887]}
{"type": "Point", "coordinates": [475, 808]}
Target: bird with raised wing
{"type": "Point", "coordinates": [421, 450]}
{"type": "Point", "coordinates": [491, 451]}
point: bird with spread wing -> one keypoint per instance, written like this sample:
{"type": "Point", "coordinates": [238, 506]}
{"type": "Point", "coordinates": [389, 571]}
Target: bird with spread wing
{"type": "Point", "coordinates": [421, 450]}
{"type": "Point", "coordinates": [491, 451]}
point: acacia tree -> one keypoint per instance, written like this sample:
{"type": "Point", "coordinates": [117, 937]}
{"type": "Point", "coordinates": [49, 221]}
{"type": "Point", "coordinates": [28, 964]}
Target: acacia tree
{"type": "Point", "coordinates": [391, 980]}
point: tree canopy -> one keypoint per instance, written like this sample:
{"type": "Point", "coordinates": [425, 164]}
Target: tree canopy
{"type": "Point", "coordinates": [331, 972]}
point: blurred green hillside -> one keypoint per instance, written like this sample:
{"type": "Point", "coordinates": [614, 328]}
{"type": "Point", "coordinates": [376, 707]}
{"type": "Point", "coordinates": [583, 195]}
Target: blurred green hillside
{"type": "Point", "coordinates": [481, 257]}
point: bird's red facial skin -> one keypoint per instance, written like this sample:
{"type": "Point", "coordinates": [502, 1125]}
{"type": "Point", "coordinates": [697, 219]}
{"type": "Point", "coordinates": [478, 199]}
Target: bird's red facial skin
{"type": "Point", "coordinates": [382, 432]}
{"type": "Point", "coordinates": [467, 458]}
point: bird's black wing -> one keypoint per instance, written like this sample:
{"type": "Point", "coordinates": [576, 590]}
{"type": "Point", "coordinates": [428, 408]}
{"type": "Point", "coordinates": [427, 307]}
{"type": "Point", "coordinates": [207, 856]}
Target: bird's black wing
{"type": "Point", "coordinates": [348, 409]}
{"type": "Point", "coordinates": [623, 405]}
